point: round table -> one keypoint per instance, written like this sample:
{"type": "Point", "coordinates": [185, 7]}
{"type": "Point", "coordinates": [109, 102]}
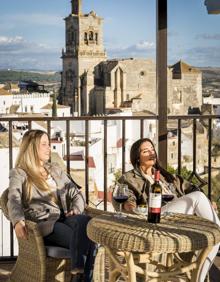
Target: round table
{"type": "Point", "coordinates": [140, 243]}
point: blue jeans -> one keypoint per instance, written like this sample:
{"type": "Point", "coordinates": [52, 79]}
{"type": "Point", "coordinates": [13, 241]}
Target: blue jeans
{"type": "Point", "coordinates": [70, 233]}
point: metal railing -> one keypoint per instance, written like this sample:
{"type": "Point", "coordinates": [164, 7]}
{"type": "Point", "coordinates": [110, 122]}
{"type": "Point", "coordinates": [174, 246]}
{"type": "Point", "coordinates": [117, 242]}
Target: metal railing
{"type": "Point", "coordinates": [193, 119]}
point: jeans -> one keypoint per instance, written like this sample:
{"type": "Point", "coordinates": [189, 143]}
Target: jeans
{"type": "Point", "coordinates": [196, 203]}
{"type": "Point", "coordinates": [70, 233]}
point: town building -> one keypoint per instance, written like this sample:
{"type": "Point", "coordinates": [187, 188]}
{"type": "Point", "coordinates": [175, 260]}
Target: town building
{"type": "Point", "coordinates": [91, 84]}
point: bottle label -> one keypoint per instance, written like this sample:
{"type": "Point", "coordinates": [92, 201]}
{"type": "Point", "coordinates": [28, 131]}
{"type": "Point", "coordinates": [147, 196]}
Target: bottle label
{"type": "Point", "coordinates": [155, 202]}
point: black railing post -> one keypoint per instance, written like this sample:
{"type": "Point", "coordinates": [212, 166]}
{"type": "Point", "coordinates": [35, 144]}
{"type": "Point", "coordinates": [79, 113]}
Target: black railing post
{"type": "Point", "coordinates": [87, 160]}
{"type": "Point", "coordinates": [179, 146]}
{"type": "Point", "coordinates": [209, 157]}
{"type": "Point", "coordinates": [105, 164]}
{"type": "Point", "coordinates": [194, 146]}
{"type": "Point", "coordinates": [68, 146]}
{"type": "Point", "coordinates": [161, 78]}
{"type": "Point", "coordinates": [141, 128]}
{"type": "Point", "coordinates": [123, 146]}
{"type": "Point", "coordinates": [10, 167]}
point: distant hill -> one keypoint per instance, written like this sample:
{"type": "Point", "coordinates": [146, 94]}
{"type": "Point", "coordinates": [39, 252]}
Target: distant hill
{"type": "Point", "coordinates": [211, 81]}
{"type": "Point", "coordinates": [210, 73]}
{"type": "Point", "coordinates": [15, 76]}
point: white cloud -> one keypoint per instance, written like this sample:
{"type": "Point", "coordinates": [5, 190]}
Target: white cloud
{"type": "Point", "coordinates": [16, 52]}
{"type": "Point", "coordinates": [208, 36]}
{"type": "Point", "coordinates": [10, 40]}
{"type": "Point", "coordinates": [145, 45]}
{"type": "Point", "coordinates": [198, 56]}
{"type": "Point", "coordinates": [140, 49]}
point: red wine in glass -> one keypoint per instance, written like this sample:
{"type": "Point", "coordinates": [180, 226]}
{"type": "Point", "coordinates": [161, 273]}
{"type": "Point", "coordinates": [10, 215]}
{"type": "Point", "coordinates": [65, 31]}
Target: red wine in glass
{"type": "Point", "coordinates": [120, 195]}
{"type": "Point", "coordinates": [121, 199]}
{"type": "Point", "coordinates": [167, 197]}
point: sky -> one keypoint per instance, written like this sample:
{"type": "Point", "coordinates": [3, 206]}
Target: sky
{"type": "Point", "coordinates": [32, 33]}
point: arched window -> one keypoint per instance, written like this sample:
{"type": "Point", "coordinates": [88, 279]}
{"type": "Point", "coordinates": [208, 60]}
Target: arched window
{"type": "Point", "coordinates": [85, 37]}
{"type": "Point", "coordinates": [90, 35]}
{"type": "Point", "coordinates": [96, 38]}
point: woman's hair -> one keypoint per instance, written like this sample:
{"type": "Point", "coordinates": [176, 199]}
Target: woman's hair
{"type": "Point", "coordinates": [135, 158]}
{"type": "Point", "coordinates": [28, 160]}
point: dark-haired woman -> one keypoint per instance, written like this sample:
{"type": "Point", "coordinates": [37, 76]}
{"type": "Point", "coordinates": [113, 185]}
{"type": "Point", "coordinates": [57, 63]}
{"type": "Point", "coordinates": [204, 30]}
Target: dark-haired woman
{"type": "Point", "coordinates": [186, 200]}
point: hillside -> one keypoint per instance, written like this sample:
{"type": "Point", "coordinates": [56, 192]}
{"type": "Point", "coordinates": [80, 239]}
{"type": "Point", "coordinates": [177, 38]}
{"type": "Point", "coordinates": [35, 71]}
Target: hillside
{"type": "Point", "coordinates": [42, 77]}
{"type": "Point", "coordinates": [210, 73]}
{"type": "Point", "coordinates": [211, 81]}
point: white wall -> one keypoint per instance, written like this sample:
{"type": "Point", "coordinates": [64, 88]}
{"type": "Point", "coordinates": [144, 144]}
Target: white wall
{"type": "Point", "coordinates": [27, 102]}
{"type": "Point", "coordinates": [4, 223]}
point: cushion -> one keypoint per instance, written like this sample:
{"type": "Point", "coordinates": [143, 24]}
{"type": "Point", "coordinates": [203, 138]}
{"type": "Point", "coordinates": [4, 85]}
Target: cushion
{"type": "Point", "coordinates": [57, 252]}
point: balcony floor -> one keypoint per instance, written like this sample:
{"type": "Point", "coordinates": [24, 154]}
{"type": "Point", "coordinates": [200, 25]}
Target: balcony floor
{"type": "Point", "coordinates": [214, 273]}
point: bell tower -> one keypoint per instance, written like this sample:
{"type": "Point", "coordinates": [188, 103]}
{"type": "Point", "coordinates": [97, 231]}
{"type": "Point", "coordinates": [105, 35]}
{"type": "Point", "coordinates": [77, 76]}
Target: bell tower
{"type": "Point", "coordinates": [83, 51]}
{"type": "Point", "coordinates": [76, 7]}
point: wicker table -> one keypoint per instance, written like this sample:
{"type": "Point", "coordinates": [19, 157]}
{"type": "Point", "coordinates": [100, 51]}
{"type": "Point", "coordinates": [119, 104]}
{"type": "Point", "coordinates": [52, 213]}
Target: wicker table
{"type": "Point", "coordinates": [140, 244]}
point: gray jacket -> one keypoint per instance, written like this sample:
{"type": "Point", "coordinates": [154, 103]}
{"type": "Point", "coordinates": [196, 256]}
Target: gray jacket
{"type": "Point", "coordinates": [40, 208]}
{"type": "Point", "coordinates": [139, 186]}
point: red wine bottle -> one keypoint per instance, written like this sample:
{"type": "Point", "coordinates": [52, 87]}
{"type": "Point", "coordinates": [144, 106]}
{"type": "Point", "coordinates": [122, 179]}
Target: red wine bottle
{"type": "Point", "coordinates": [155, 199]}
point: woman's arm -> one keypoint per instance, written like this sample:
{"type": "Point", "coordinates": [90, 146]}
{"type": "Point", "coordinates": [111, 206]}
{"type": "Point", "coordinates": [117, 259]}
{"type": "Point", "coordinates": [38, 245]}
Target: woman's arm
{"type": "Point", "coordinates": [74, 198]}
{"type": "Point", "coordinates": [184, 186]}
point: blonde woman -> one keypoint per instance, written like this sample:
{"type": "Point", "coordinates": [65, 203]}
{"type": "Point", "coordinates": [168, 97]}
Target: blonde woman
{"type": "Point", "coordinates": [42, 192]}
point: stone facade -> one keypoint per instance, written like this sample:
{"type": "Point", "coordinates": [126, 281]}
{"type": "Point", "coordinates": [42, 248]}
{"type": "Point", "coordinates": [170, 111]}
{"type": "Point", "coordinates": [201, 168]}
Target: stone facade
{"type": "Point", "coordinates": [84, 50]}
{"type": "Point", "coordinates": [91, 84]}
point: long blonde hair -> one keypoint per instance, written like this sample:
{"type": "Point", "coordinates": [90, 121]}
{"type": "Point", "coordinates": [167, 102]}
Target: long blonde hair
{"type": "Point", "coordinates": [28, 160]}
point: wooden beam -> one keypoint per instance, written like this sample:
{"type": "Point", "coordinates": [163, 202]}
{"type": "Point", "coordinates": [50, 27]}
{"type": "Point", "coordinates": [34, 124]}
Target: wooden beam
{"type": "Point", "coordinates": [161, 77]}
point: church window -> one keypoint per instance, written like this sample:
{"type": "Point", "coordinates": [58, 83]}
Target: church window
{"type": "Point", "coordinates": [86, 38]}
{"type": "Point", "coordinates": [142, 73]}
{"type": "Point", "coordinates": [171, 155]}
{"type": "Point", "coordinates": [25, 109]}
{"type": "Point", "coordinates": [180, 97]}
{"type": "Point", "coordinates": [150, 127]}
{"type": "Point", "coordinates": [32, 109]}
{"type": "Point", "coordinates": [90, 35]}
{"type": "Point", "coordinates": [96, 38]}
{"type": "Point", "coordinates": [72, 36]}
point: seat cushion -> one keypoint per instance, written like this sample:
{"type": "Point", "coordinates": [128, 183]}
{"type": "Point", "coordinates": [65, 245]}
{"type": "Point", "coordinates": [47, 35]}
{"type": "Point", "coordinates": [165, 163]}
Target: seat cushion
{"type": "Point", "coordinates": [57, 252]}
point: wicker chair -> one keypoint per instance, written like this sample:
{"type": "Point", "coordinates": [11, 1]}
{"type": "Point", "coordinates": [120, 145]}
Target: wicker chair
{"type": "Point", "coordinates": [35, 262]}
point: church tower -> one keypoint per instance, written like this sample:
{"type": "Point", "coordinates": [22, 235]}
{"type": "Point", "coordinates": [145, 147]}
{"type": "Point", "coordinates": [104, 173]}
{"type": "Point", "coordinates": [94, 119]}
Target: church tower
{"type": "Point", "coordinates": [83, 51]}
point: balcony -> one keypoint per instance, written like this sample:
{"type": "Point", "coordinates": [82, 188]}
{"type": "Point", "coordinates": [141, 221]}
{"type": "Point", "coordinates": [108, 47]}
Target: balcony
{"type": "Point", "coordinates": [172, 150]}
{"type": "Point", "coordinates": [104, 143]}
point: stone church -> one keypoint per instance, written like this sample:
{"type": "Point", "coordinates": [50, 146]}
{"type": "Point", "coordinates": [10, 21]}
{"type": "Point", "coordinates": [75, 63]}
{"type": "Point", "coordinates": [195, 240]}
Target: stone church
{"type": "Point", "coordinates": [91, 84]}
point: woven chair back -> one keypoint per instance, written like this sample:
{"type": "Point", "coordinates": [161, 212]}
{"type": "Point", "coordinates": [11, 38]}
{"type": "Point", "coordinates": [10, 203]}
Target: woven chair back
{"type": "Point", "coordinates": [3, 203]}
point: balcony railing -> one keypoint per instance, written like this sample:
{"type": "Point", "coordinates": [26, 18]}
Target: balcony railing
{"type": "Point", "coordinates": [124, 129]}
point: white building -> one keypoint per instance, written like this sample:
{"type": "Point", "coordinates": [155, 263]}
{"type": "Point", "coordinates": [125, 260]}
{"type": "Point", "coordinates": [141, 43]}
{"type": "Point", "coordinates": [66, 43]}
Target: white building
{"type": "Point", "coordinates": [26, 103]}
{"type": "Point", "coordinates": [62, 111]}
{"type": "Point", "coordinates": [215, 102]}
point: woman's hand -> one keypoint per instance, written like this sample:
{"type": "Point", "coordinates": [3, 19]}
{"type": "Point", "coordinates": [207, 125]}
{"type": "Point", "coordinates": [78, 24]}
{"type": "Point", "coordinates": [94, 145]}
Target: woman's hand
{"type": "Point", "coordinates": [21, 230]}
{"type": "Point", "coordinates": [129, 206]}
{"type": "Point", "coordinates": [72, 212]}
{"type": "Point", "coordinates": [215, 207]}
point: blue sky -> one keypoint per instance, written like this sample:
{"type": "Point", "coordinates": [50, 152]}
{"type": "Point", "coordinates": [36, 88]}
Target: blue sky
{"type": "Point", "coordinates": [32, 33]}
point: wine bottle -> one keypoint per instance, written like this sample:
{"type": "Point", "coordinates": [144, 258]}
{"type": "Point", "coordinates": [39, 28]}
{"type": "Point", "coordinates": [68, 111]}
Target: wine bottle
{"type": "Point", "coordinates": [155, 199]}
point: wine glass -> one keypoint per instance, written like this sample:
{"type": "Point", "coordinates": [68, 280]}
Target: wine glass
{"type": "Point", "coordinates": [168, 197]}
{"type": "Point", "coordinates": [120, 195]}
